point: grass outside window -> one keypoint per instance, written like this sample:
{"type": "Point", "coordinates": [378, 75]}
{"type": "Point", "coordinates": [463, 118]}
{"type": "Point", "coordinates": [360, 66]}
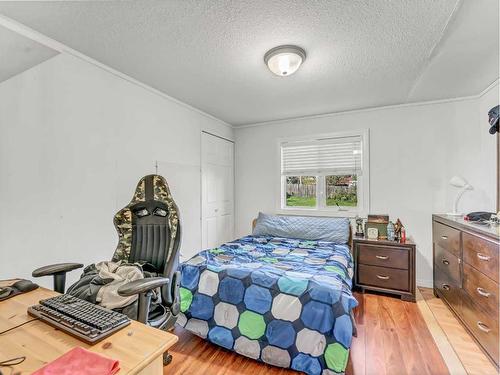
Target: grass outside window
{"type": "Point", "coordinates": [337, 191]}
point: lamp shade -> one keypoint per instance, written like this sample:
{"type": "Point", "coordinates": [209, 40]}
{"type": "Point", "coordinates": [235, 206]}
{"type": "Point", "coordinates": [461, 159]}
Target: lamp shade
{"type": "Point", "coordinates": [459, 182]}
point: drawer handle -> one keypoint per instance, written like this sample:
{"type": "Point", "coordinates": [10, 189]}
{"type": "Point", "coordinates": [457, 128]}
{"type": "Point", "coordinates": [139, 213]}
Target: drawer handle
{"type": "Point", "coordinates": [383, 257]}
{"type": "Point", "coordinates": [444, 237]}
{"type": "Point", "coordinates": [383, 277]}
{"type": "Point", "coordinates": [483, 292]}
{"type": "Point", "coordinates": [446, 287]}
{"type": "Point", "coordinates": [445, 261]}
{"type": "Point", "coordinates": [483, 257]}
{"type": "Point", "coordinates": [483, 327]}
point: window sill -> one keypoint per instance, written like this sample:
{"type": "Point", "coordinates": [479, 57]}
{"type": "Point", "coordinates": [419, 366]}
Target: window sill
{"type": "Point", "coordinates": [318, 212]}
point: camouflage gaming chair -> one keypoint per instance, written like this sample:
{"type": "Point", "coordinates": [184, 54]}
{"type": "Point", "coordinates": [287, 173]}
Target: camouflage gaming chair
{"type": "Point", "coordinates": [149, 233]}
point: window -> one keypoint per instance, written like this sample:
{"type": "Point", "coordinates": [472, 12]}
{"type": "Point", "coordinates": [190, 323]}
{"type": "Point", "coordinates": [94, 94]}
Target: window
{"type": "Point", "coordinates": [326, 173]}
{"type": "Point", "coordinates": [301, 191]}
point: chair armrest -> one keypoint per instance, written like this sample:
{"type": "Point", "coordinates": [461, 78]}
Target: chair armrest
{"type": "Point", "coordinates": [142, 286]}
{"type": "Point", "coordinates": [53, 269]}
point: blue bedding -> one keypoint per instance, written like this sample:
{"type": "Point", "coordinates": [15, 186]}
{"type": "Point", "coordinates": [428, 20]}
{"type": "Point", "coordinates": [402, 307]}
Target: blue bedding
{"type": "Point", "coordinates": [282, 301]}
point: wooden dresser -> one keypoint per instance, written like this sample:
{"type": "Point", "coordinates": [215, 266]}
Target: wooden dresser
{"type": "Point", "coordinates": [385, 266]}
{"type": "Point", "coordinates": [466, 276]}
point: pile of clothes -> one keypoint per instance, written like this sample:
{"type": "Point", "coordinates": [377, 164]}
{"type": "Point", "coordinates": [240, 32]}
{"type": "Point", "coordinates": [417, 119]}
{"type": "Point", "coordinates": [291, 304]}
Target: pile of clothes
{"type": "Point", "coordinates": [99, 284]}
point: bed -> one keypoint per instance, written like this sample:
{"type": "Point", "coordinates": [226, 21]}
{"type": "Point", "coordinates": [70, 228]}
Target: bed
{"type": "Point", "coordinates": [281, 300]}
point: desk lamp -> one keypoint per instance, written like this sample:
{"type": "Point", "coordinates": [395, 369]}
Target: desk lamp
{"type": "Point", "coordinates": [463, 185]}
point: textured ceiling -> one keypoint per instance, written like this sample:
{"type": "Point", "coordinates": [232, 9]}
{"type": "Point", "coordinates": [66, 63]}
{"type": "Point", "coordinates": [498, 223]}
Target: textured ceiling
{"type": "Point", "coordinates": [467, 59]}
{"type": "Point", "coordinates": [18, 54]}
{"type": "Point", "coordinates": [210, 53]}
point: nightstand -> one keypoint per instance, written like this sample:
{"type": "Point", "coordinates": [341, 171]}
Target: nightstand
{"type": "Point", "coordinates": [385, 266]}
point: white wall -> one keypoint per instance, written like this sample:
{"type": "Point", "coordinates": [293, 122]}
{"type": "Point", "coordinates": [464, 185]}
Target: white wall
{"type": "Point", "coordinates": [74, 142]}
{"type": "Point", "coordinates": [414, 150]}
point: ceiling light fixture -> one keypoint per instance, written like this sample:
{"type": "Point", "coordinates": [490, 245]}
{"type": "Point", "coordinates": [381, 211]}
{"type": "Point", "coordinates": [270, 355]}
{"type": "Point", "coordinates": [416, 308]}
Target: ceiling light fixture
{"type": "Point", "coordinates": [284, 60]}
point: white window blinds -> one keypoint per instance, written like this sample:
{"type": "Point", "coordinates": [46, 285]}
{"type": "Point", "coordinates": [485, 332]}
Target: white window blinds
{"type": "Point", "coordinates": [320, 157]}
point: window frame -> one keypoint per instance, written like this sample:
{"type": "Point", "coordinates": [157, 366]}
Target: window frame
{"type": "Point", "coordinates": [363, 180]}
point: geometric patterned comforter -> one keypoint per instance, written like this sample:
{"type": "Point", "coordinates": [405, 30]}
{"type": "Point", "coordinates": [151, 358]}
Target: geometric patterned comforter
{"type": "Point", "coordinates": [285, 302]}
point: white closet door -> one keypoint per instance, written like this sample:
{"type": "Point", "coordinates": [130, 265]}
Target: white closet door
{"type": "Point", "coordinates": [217, 186]}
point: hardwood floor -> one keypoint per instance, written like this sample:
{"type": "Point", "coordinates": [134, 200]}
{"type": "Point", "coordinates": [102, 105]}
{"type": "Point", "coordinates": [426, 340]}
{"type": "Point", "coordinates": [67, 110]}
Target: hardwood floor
{"type": "Point", "coordinates": [467, 356]}
{"type": "Point", "coordinates": [393, 339]}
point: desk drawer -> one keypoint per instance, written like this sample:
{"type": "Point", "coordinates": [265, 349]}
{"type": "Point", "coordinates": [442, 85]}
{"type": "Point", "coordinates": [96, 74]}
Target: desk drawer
{"type": "Point", "coordinates": [482, 290]}
{"type": "Point", "coordinates": [481, 254]}
{"type": "Point", "coordinates": [446, 237]}
{"type": "Point", "coordinates": [483, 327]}
{"type": "Point", "coordinates": [383, 277]}
{"type": "Point", "coordinates": [383, 256]}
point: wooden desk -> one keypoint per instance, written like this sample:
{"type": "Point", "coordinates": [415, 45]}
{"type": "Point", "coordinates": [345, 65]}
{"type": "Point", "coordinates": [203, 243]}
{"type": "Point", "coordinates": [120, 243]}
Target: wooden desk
{"type": "Point", "coordinates": [139, 348]}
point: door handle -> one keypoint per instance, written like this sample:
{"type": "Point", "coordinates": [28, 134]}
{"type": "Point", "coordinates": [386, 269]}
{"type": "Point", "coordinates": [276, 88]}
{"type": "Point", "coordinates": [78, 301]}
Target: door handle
{"type": "Point", "coordinates": [444, 237]}
{"type": "Point", "coordinates": [483, 257]}
{"type": "Point", "coordinates": [446, 287]}
{"type": "Point", "coordinates": [383, 277]}
{"type": "Point", "coordinates": [383, 257]}
{"type": "Point", "coordinates": [483, 327]}
{"type": "Point", "coordinates": [483, 292]}
{"type": "Point", "coordinates": [445, 261]}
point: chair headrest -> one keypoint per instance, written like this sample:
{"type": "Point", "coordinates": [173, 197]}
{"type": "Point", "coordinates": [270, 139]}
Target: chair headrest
{"type": "Point", "coordinates": [152, 187]}
{"type": "Point", "coordinates": [149, 188]}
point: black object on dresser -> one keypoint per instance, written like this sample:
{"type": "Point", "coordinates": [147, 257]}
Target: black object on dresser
{"type": "Point", "coordinates": [466, 276]}
{"type": "Point", "coordinates": [385, 266]}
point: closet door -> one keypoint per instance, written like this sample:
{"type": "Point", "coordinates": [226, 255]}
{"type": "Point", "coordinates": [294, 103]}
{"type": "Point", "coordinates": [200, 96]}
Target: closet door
{"type": "Point", "coordinates": [217, 190]}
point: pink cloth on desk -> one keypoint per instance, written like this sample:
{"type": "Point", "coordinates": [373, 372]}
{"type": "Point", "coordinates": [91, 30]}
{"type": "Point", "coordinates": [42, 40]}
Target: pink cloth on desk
{"type": "Point", "coordinates": [79, 361]}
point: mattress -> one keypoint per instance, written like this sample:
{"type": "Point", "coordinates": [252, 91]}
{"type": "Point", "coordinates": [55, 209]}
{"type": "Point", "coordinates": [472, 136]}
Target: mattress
{"type": "Point", "coordinates": [285, 302]}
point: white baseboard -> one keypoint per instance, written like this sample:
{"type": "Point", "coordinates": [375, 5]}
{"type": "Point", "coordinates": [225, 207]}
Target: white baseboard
{"type": "Point", "coordinates": [426, 283]}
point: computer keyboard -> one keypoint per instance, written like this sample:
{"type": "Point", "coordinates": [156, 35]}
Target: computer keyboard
{"type": "Point", "coordinates": [88, 322]}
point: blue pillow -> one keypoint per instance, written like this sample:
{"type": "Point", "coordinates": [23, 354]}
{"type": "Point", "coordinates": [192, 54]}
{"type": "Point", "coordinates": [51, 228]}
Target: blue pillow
{"type": "Point", "coordinates": [333, 229]}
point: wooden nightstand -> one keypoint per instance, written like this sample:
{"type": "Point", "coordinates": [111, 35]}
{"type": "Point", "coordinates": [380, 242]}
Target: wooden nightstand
{"type": "Point", "coordinates": [385, 266]}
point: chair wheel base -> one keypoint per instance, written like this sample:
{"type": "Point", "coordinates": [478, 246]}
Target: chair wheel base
{"type": "Point", "coordinates": [167, 358]}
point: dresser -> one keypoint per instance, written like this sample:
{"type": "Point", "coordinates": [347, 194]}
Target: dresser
{"type": "Point", "coordinates": [466, 276]}
{"type": "Point", "coordinates": [385, 266]}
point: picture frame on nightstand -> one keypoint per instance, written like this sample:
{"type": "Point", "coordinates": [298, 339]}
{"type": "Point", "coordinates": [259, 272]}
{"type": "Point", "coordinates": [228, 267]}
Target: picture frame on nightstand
{"type": "Point", "coordinates": [372, 233]}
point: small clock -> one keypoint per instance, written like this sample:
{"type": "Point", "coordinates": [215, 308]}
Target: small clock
{"type": "Point", "coordinates": [372, 233]}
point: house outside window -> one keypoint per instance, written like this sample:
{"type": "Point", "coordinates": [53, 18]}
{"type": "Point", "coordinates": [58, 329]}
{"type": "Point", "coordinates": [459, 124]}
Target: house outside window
{"type": "Point", "coordinates": [326, 174]}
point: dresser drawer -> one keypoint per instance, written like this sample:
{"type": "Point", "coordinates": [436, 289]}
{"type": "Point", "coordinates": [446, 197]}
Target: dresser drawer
{"type": "Point", "coordinates": [481, 254]}
{"type": "Point", "coordinates": [448, 288]}
{"type": "Point", "coordinates": [482, 290]}
{"type": "Point", "coordinates": [447, 262]}
{"type": "Point", "coordinates": [383, 277]}
{"type": "Point", "coordinates": [482, 326]}
{"type": "Point", "coordinates": [446, 237]}
{"type": "Point", "coordinates": [383, 256]}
